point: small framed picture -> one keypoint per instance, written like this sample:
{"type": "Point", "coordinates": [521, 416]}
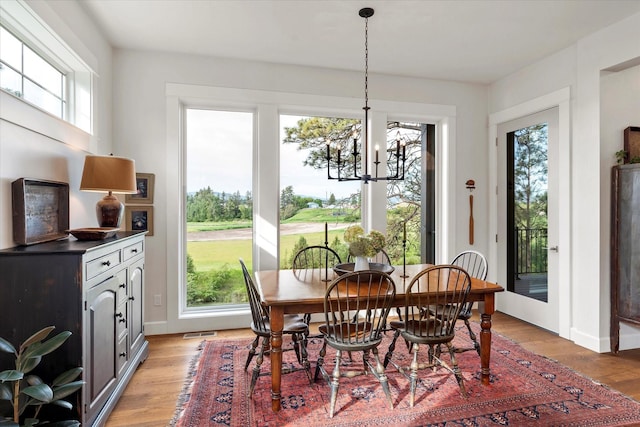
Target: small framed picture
{"type": "Point", "coordinates": [139, 218]}
{"type": "Point", "coordinates": [144, 184]}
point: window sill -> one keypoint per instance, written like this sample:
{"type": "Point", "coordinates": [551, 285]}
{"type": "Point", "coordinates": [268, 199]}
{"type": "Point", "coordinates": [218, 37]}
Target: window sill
{"type": "Point", "coordinates": [21, 113]}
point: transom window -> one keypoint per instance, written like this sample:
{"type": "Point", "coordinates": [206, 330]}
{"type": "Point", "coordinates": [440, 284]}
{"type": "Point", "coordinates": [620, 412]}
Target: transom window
{"type": "Point", "coordinates": [28, 75]}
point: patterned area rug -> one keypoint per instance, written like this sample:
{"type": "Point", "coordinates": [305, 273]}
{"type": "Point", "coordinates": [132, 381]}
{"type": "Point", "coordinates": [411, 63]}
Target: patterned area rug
{"type": "Point", "coordinates": [526, 390]}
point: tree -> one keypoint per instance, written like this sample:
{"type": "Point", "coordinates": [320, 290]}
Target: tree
{"type": "Point", "coordinates": [530, 173]}
{"type": "Point", "coordinates": [530, 188]}
{"type": "Point", "coordinates": [313, 133]}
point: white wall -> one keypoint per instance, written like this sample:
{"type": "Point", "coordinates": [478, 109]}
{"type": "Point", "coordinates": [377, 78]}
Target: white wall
{"type": "Point", "coordinates": [620, 108]}
{"type": "Point", "coordinates": [52, 152]}
{"type": "Point", "coordinates": [580, 68]}
{"type": "Point", "coordinates": [139, 92]}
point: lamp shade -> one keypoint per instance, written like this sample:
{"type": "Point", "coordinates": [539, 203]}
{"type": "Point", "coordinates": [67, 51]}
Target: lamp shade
{"type": "Point", "coordinates": [109, 173]}
{"type": "Point", "coordinates": [112, 174]}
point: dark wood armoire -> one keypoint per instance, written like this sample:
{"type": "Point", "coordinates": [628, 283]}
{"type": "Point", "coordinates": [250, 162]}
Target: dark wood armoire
{"type": "Point", "coordinates": [625, 249]}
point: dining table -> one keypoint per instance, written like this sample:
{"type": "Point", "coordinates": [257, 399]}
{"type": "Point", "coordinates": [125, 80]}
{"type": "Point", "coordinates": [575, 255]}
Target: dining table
{"type": "Point", "coordinates": [303, 291]}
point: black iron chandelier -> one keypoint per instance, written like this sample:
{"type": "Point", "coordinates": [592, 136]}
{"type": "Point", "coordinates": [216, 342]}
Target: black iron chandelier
{"type": "Point", "coordinates": [399, 152]}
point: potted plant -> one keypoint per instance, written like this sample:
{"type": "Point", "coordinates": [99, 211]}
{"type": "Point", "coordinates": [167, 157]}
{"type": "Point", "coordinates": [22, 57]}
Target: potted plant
{"type": "Point", "coordinates": [24, 390]}
{"type": "Point", "coordinates": [363, 246]}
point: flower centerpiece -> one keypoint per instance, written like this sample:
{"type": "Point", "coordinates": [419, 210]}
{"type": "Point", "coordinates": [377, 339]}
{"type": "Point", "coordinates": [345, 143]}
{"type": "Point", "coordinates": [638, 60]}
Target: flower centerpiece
{"type": "Point", "coordinates": [363, 246]}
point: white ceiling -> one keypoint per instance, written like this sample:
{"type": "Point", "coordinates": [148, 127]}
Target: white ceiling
{"type": "Point", "coordinates": [477, 41]}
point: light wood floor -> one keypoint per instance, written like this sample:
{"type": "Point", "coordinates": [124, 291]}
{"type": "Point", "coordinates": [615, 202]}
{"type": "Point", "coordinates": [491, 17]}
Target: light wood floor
{"type": "Point", "coordinates": [150, 398]}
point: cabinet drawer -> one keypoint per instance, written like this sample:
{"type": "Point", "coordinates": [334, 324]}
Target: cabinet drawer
{"type": "Point", "coordinates": [102, 264]}
{"type": "Point", "coordinates": [133, 250]}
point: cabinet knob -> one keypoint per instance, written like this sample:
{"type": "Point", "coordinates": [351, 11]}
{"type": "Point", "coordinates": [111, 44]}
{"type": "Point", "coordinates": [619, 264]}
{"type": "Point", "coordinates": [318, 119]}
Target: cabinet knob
{"type": "Point", "coordinates": [123, 354]}
{"type": "Point", "coordinates": [119, 314]}
{"type": "Point", "coordinates": [132, 298]}
{"type": "Point", "coordinates": [107, 263]}
{"type": "Point", "coordinates": [123, 285]}
{"type": "Point", "coordinates": [135, 251]}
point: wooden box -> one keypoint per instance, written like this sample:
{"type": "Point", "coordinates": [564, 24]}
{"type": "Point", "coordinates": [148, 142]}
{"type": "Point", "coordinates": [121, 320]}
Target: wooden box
{"type": "Point", "coordinates": [632, 144]}
{"type": "Point", "coordinates": [40, 210]}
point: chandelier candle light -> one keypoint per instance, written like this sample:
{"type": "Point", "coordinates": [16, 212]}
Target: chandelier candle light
{"type": "Point", "coordinates": [400, 155]}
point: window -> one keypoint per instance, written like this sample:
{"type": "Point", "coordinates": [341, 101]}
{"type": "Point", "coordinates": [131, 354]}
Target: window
{"type": "Point", "coordinates": [263, 150]}
{"type": "Point", "coordinates": [219, 207]}
{"type": "Point", "coordinates": [410, 206]}
{"type": "Point", "coordinates": [27, 75]}
{"type": "Point", "coordinates": [39, 67]}
{"type": "Point", "coordinates": [308, 200]}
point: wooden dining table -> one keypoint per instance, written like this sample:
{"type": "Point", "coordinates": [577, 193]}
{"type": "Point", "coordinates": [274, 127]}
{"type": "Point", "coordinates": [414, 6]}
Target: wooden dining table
{"type": "Point", "coordinates": [303, 291]}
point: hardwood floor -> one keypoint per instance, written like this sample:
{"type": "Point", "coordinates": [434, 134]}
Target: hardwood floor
{"type": "Point", "coordinates": [151, 396]}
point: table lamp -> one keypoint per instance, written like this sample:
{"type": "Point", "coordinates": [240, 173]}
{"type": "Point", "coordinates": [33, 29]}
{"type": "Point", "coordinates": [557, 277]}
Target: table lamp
{"type": "Point", "coordinates": [112, 174]}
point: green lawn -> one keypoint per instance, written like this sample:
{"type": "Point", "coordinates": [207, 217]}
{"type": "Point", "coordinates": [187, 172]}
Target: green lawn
{"type": "Point", "coordinates": [212, 255]}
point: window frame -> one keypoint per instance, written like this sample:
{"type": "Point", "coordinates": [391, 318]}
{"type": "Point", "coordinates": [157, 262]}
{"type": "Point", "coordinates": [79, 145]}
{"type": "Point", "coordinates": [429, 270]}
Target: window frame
{"type": "Point", "coordinates": [268, 106]}
{"type": "Point", "coordinates": [25, 24]}
{"type": "Point", "coordinates": [61, 99]}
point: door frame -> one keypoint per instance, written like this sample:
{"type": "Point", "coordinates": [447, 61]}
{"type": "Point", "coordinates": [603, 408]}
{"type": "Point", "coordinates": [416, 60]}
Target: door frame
{"type": "Point", "coordinates": [561, 99]}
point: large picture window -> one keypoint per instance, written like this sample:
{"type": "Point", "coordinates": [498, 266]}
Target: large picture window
{"type": "Point", "coordinates": [219, 206]}
{"type": "Point", "coordinates": [277, 182]}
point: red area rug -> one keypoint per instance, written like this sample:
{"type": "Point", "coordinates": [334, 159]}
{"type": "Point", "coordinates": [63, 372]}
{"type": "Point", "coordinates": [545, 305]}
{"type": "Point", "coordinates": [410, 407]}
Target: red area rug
{"type": "Point", "coordinates": [526, 390]}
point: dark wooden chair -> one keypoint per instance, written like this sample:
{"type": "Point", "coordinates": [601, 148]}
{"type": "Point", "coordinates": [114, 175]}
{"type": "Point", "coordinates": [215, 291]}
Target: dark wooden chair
{"type": "Point", "coordinates": [294, 326]}
{"type": "Point", "coordinates": [445, 288]}
{"type": "Point", "coordinates": [381, 257]}
{"type": "Point", "coordinates": [316, 260]}
{"type": "Point", "coordinates": [475, 264]}
{"type": "Point", "coordinates": [358, 292]}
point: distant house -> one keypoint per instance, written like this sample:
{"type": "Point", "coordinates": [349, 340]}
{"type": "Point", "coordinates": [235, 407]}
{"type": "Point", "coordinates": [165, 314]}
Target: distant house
{"type": "Point", "coordinates": [313, 205]}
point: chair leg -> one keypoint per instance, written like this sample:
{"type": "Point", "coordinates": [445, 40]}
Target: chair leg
{"type": "Point", "coordinates": [252, 352]}
{"type": "Point", "coordinates": [256, 369]}
{"type": "Point", "coordinates": [320, 361]}
{"type": "Point", "coordinates": [392, 347]}
{"type": "Point", "coordinates": [296, 347]}
{"type": "Point", "coordinates": [472, 336]}
{"type": "Point", "coordinates": [413, 376]}
{"type": "Point", "coordinates": [335, 384]}
{"type": "Point", "coordinates": [305, 358]}
{"type": "Point", "coordinates": [378, 371]}
{"type": "Point", "coordinates": [456, 370]}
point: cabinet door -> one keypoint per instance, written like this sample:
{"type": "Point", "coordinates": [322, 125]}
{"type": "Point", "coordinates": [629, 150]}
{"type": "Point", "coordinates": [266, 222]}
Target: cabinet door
{"type": "Point", "coordinates": [136, 306]}
{"type": "Point", "coordinates": [101, 367]}
{"type": "Point", "coordinates": [628, 219]}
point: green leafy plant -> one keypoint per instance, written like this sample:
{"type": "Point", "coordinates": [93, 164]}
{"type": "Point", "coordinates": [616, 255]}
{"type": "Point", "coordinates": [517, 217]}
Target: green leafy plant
{"type": "Point", "coordinates": [24, 391]}
{"type": "Point", "coordinates": [621, 155]}
{"type": "Point", "coordinates": [361, 245]}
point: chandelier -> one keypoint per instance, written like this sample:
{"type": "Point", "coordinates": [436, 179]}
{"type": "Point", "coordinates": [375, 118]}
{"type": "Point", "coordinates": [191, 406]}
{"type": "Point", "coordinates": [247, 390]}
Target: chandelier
{"type": "Point", "coordinates": [398, 154]}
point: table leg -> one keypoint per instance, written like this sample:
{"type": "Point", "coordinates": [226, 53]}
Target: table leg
{"type": "Point", "coordinates": [485, 338]}
{"type": "Point", "coordinates": [277, 323]}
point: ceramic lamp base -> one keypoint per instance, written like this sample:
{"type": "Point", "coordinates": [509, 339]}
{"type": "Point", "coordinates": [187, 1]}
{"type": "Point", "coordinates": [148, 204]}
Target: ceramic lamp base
{"type": "Point", "coordinates": [109, 211]}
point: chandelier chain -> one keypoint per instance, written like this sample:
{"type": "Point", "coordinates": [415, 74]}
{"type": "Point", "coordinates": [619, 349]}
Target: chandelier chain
{"type": "Point", "coordinates": [398, 155]}
{"type": "Point", "coordinates": [366, 62]}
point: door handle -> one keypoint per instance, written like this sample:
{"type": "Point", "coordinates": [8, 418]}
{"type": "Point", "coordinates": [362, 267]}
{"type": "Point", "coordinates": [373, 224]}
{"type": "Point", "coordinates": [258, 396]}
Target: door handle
{"type": "Point", "coordinates": [553, 248]}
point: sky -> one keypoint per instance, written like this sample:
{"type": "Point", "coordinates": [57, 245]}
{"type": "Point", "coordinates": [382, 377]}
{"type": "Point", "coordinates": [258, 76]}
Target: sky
{"type": "Point", "coordinates": [219, 145]}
